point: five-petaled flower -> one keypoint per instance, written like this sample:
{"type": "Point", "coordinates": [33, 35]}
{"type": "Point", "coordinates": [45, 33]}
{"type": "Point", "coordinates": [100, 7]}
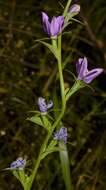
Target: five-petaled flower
{"type": "Point", "coordinates": [61, 134]}
{"type": "Point", "coordinates": [54, 27]}
{"type": "Point", "coordinates": [17, 164]}
{"type": "Point", "coordinates": [43, 106]}
{"type": "Point", "coordinates": [83, 72]}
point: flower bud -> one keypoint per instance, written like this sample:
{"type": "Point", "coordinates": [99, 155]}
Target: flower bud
{"type": "Point", "coordinates": [74, 9]}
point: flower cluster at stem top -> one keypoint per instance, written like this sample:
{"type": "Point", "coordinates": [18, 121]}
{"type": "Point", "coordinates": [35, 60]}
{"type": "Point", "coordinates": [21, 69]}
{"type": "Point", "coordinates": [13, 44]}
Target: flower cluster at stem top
{"type": "Point", "coordinates": [55, 27]}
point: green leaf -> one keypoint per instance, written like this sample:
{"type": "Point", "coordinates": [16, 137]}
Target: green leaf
{"type": "Point", "coordinates": [36, 119]}
{"type": "Point", "coordinates": [52, 144]}
{"type": "Point", "coordinates": [51, 148]}
{"type": "Point", "coordinates": [77, 85]}
{"type": "Point", "coordinates": [65, 166]}
{"type": "Point", "coordinates": [16, 174]}
{"type": "Point", "coordinates": [41, 120]}
{"type": "Point", "coordinates": [20, 175]}
{"type": "Point", "coordinates": [46, 122]}
{"type": "Point", "coordinates": [50, 47]}
{"type": "Point", "coordinates": [49, 151]}
{"type": "Point", "coordinates": [27, 183]}
{"type": "Point", "coordinates": [67, 90]}
{"type": "Point", "coordinates": [70, 16]}
{"type": "Point", "coordinates": [78, 21]}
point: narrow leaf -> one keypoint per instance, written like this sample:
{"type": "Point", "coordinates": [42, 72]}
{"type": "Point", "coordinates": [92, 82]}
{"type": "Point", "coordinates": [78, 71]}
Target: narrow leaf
{"type": "Point", "coordinates": [55, 149]}
{"type": "Point", "coordinates": [65, 166]}
{"type": "Point", "coordinates": [36, 119]}
{"type": "Point", "coordinates": [41, 120]}
{"type": "Point", "coordinates": [50, 47]}
{"type": "Point", "coordinates": [77, 85]}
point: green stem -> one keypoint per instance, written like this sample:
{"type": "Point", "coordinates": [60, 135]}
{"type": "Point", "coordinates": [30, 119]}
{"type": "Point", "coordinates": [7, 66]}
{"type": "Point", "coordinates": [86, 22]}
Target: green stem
{"type": "Point", "coordinates": [63, 154]}
{"type": "Point", "coordinates": [54, 43]}
{"type": "Point", "coordinates": [61, 74]}
{"type": "Point", "coordinates": [66, 8]}
{"type": "Point", "coordinates": [37, 163]}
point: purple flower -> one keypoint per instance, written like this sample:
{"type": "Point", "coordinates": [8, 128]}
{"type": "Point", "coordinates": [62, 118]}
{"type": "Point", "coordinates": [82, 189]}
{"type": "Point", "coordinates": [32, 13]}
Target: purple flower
{"type": "Point", "coordinates": [83, 73]}
{"type": "Point", "coordinates": [54, 27]}
{"type": "Point", "coordinates": [43, 106]}
{"type": "Point", "coordinates": [18, 164]}
{"type": "Point", "coordinates": [61, 134]}
{"type": "Point", "coordinates": [74, 9]}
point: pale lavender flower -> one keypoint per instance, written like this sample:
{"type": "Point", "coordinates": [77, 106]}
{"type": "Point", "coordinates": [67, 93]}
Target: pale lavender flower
{"type": "Point", "coordinates": [43, 106]}
{"type": "Point", "coordinates": [18, 164]}
{"type": "Point", "coordinates": [74, 9]}
{"type": "Point", "coordinates": [61, 134]}
{"type": "Point", "coordinates": [83, 72]}
{"type": "Point", "coordinates": [54, 27]}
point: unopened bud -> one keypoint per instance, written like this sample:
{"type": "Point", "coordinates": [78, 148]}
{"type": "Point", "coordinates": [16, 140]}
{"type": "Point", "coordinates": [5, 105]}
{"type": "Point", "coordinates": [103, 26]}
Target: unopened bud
{"type": "Point", "coordinates": [74, 9]}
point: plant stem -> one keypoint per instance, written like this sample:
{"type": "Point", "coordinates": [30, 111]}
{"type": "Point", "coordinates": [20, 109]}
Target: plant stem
{"type": "Point", "coordinates": [61, 74]}
{"type": "Point", "coordinates": [37, 163]}
{"type": "Point", "coordinates": [61, 84]}
{"type": "Point", "coordinates": [63, 154]}
{"type": "Point", "coordinates": [66, 8]}
{"type": "Point", "coordinates": [54, 43]}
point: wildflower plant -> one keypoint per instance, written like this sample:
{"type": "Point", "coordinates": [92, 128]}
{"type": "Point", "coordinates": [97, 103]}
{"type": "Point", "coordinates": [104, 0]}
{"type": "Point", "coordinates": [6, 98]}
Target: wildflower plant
{"type": "Point", "coordinates": [57, 135]}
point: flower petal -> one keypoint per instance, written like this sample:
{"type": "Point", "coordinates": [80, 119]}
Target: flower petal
{"type": "Point", "coordinates": [92, 74]}
{"type": "Point", "coordinates": [60, 20]}
{"type": "Point", "coordinates": [46, 23]}
{"type": "Point", "coordinates": [56, 25]}
{"type": "Point", "coordinates": [81, 67]}
{"type": "Point", "coordinates": [42, 104]}
{"type": "Point", "coordinates": [50, 104]}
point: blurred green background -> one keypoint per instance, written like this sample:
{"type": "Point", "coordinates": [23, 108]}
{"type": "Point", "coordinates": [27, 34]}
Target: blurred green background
{"type": "Point", "coordinates": [28, 70]}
